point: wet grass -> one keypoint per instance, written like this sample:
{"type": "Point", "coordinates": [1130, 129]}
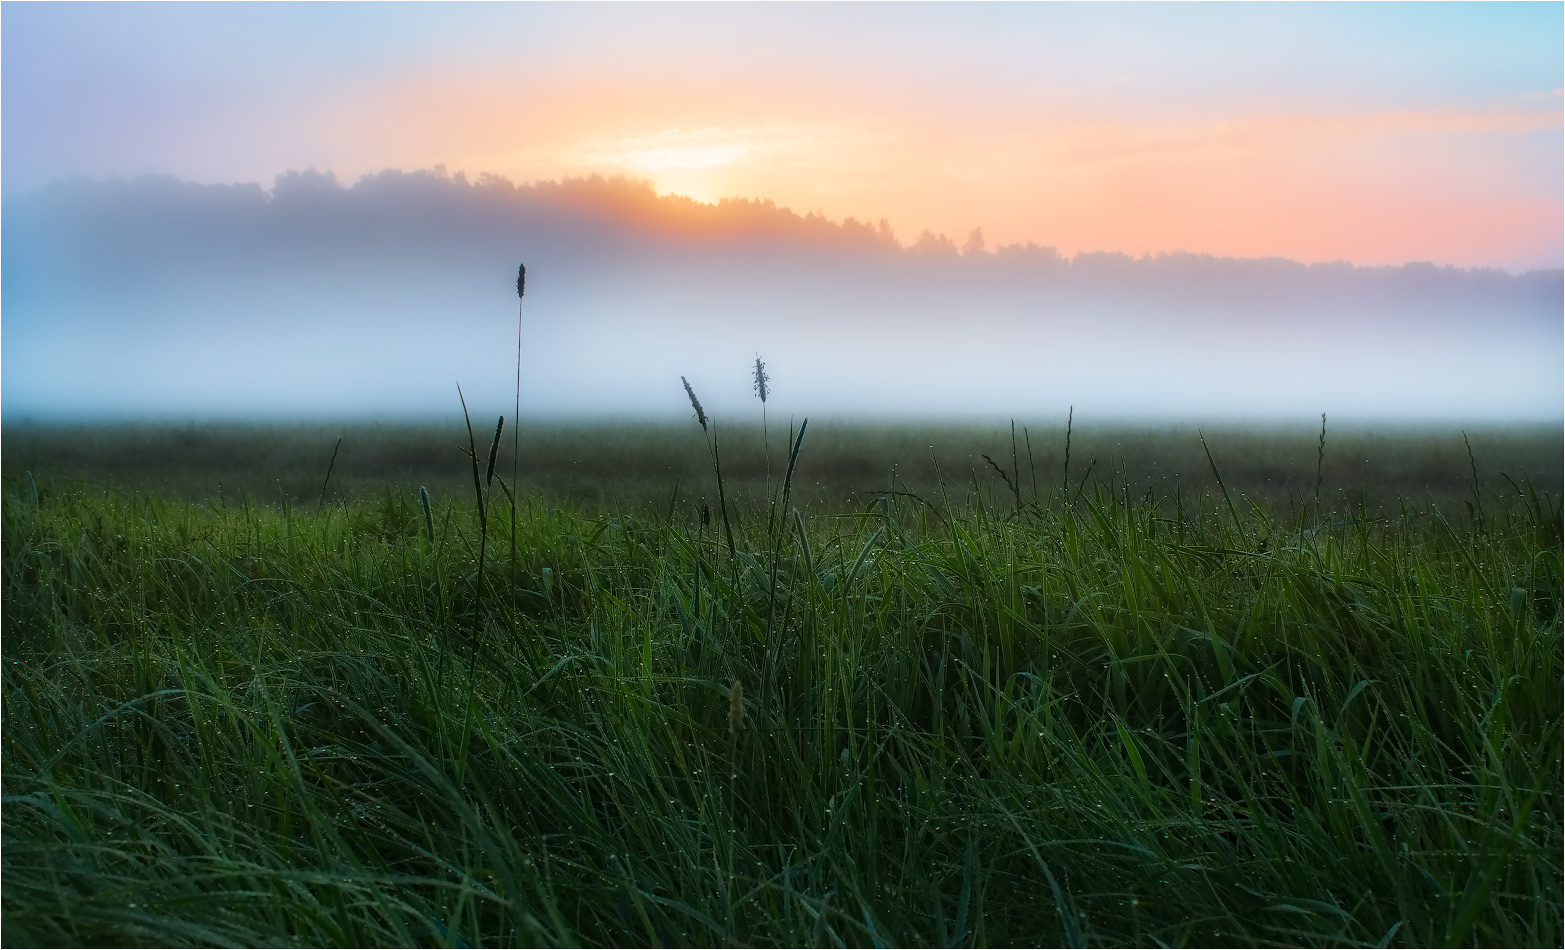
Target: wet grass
{"type": "Point", "coordinates": [960, 711]}
{"type": "Point", "coordinates": [595, 465]}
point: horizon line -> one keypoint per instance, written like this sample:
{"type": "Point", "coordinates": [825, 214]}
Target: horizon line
{"type": "Point", "coordinates": [934, 243]}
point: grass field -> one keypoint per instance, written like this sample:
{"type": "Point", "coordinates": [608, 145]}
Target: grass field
{"type": "Point", "coordinates": [594, 465]}
{"type": "Point", "coordinates": [954, 708]}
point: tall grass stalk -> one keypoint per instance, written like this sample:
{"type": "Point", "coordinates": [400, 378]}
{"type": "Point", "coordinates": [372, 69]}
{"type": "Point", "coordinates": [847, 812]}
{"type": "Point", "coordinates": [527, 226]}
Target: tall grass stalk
{"type": "Point", "coordinates": [793, 461]}
{"type": "Point", "coordinates": [709, 429]}
{"type": "Point", "coordinates": [1065, 474]}
{"type": "Point", "coordinates": [516, 417]}
{"type": "Point", "coordinates": [1320, 464]}
{"type": "Point", "coordinates": [494, 450]}
{"type": "Point", "coordinates": [478, 484]}
{"type": "Point", "coordinates": [481, 503]}
{"type": "Point", "coordinates": [1473, 467]}
{"type": "Point", "coordinates": [1218, 475]}
{"type": "Point", "coordinates": [429, 519]}
{"type": "Point", "coordinates": [329, 466]}
{"type": "Point", "coordinates": [762, 390]}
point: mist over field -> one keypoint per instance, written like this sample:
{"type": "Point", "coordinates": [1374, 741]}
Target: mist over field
{"type": "Point", "coordinates": [154, 297]}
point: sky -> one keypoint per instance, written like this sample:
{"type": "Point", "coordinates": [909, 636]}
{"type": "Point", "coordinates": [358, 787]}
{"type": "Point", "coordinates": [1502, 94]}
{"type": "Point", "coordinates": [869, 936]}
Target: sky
{"type": "Point", "coordinates": [1191, 212]}
{"type": "Point", "coordinates": [1378, 134]}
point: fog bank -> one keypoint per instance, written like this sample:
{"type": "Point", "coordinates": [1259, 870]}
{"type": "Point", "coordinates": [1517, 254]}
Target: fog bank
{"type": "Point", "coordinates": [156, 297]}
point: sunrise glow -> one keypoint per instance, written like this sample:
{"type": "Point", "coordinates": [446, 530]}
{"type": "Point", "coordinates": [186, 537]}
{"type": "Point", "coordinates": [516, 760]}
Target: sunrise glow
{"type": "Point", "coordinates": [1376, 135]}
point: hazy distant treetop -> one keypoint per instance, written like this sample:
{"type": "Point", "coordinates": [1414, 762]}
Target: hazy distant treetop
{"type": "Point", "coordinates": [430, 216]}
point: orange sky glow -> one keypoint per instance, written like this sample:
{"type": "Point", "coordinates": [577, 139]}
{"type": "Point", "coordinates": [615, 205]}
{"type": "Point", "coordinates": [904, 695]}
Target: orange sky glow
{"type": "Point", "coordinates": [1373, 188]}
{"type": "Point", "coordinates": [1378, 135]}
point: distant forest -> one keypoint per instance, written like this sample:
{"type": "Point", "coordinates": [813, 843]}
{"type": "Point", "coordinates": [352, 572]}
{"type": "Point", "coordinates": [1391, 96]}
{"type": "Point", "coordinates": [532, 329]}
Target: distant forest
{"type": "Point", "coordinates": [118, 235]}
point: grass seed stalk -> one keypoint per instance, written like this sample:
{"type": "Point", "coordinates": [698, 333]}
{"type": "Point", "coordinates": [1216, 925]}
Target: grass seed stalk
{"type": "Point", "coordinates": [709, 429]}
{"type": "Point", "coordinates": [762, 390]}
{"type": "Point", "coordinates": [516, 433]}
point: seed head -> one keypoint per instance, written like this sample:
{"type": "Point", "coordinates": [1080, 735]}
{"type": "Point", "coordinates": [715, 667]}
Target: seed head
{"type": "Point", "coordinates": [695, 403]}
{"type": "Point", "coordinates": [761, 379]}
{"type": "Point", "coordinates": [494, 450]}
{"type": "Point", "coordinates": [521, 280]}
{"type": "Point", "coordinates": [735, 709]}
{"type": "Point", "coordinates": [429, 520]}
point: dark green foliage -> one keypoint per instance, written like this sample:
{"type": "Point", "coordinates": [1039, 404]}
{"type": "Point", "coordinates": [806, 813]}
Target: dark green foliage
{"type": "Point", "coordinates": [1124, 721]}
{"type": "Point", "coordinates": [599, 464]}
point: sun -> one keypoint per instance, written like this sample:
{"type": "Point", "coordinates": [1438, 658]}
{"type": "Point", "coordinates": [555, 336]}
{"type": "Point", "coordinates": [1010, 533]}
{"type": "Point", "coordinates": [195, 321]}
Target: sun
{"type": "Point", "coordinates": [696, 163]}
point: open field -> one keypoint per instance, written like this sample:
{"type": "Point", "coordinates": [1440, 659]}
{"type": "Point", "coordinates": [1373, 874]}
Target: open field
{"type": "Point", "coordinates": [599, 464]}
{"type": "Point", "coordinates": [1128, 707]}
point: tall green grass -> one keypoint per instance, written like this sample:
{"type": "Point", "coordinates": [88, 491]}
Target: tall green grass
{"type": "Point", "coordinates": [935, 719]}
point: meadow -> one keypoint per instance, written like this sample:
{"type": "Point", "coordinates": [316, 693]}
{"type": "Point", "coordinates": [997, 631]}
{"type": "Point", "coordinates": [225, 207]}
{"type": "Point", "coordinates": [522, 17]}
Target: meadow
{"type": "Point", "coordinates": [875, 689]}
{"type": "Point", "coordinates": [593, 465]}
